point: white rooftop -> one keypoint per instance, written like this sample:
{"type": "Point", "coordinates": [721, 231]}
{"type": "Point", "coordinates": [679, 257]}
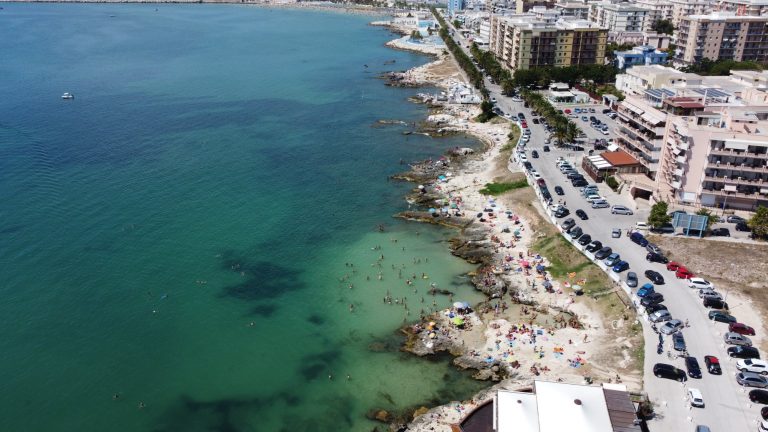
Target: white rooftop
{"type": "Point", "coordinates": [518, 412]}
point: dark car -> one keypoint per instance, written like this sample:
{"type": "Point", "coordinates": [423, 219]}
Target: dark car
{"type": "Point", "coordinates": [759, 396]}
{"type": "Point", "coordinates": [585, 239]}
{"type": "Point", "coordinates": [559, 190]}
{"type": "Point", "coordinates": [579, 182]}
{"type": "Point", "coordinates": [663, 229]}
{"type": "Point", "coordinates": [713, 365]}
{"type": "Point", "coordinates": [735, 219]}
{"type": "Point", "coordinates": [638, 238]}
{"type": "Point", "coordinates": [528, 165]}
{"type": "Point", "coordinates": [535, 154]}
{"type": "Point", "coordinates": [575, 232]}
{"type": "Point", "coordinates": [568, 223]}
{"type": "Point", "coordinates": [655, 277]}
{"type": "Point", "coordinates": [692, 365]}
{"type": "Point", "coordinates": [742, 226]}
{"type": "Point", "coordinates": [652, 298]}
{"type": "Point", "coordinates": [631, 279]}
{"type": "Point", "coordinates": [545, 148]}
{"type": "Point", "coordinates": [603, 253]}
{"type": "Point", "coordinates": [520, 116]}
{"type": "Point", "coordinates": [654, 257]}
{"type": "Point", "coordinates": [594, 246]}
{"type": "Point", "coordinates": [535, 121]}
{"type": "Point", "coordinates": [678, 341]}
{"type": "Point", "coordinates": [722, 317]}
{"type": "Point", "coordinates": [562, 212]}
{"type": "Point", "coordinates": [744, 352]}
{"type": "Point", "coordinates": [663, 370]}
{"type": "Point", "coordinates": [714, 303]}
{"type": "Point", "coordinates": [581, 214]}
{"type": "Point", "coordinates": [721, 232]}
{"type": "Point", "coordinates": [655, 308]}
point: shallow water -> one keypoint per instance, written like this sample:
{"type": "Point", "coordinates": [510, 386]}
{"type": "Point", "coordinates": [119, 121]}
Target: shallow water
{"type": "Point", "coordinates": [175, 236]}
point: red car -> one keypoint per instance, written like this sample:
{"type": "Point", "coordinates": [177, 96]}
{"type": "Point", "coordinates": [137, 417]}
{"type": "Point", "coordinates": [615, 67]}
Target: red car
{"type": "Point", "coordinates": [567, 111]}
{"type": "Point", "coordinates": [673, 265]}
{"type": "Point", "coordinates": [525, 125]}
{"type": "Point", "coordinates": [683, 273]}
{"type": "Point", "coordinates": [741, 329]}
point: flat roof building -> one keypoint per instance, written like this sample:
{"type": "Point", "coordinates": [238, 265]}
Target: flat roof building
{"type": "Point", "coordinates": [619, 17]}
{"type": "Point", "coordinates": [722, 36]}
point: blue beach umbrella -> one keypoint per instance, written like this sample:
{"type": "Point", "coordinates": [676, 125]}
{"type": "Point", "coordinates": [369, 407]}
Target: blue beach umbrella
{"type": "Point", "coordinates": [432, 210]}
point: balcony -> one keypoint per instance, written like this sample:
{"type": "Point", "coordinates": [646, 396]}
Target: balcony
{"type": "Point", "coordinates": [737, 153]}
{"type": "Point", "coordinates": [736, 180]}
{"type": "Point", "coordinates": [723, 192]}
{"type": "Point", "coordinates": [734, 166]}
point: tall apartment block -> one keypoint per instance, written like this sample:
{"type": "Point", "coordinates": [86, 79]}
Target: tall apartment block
{"type": "Point", "coordinates": [524, 42]}
{"type": "Point", "coordinates": [722, 36]}
{"type": "Point", "coordinates": [619, 17]}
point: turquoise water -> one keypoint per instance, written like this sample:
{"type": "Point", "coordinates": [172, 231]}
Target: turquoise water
{"type": "Point", "coordinates": [177, 237]}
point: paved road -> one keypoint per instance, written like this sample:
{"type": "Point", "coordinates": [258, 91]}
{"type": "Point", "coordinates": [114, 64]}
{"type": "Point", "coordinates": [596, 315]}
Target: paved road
{"type": "Point", "coordinates": [727, 405]}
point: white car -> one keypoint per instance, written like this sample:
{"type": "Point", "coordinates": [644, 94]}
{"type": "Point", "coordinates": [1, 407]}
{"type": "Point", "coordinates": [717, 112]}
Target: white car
{"type": "Point", "coordinates": [753, 365]}
{"type": "Point", "coordinates": [700, 283]}
{"type": "Point", "coordinates": [523, 157]}
{"type": "Point", "coordinates": [641, 226]}
{"type": "Point", "coordinates": [694, 395]}
{"type": "Point", "coordinates": [604, 132]}
{"type": "Point", "coordinates": [535, 175]}
{"type": "Point", "coordinates": [709, 293]}
{"type": "Point", "coordinates": [517, 99]}
{"type": "Point", "coordinates": [593, 198]}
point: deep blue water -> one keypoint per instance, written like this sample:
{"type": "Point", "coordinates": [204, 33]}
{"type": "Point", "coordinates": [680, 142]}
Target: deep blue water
{"type": "Point", "coordinates": [173, 241]}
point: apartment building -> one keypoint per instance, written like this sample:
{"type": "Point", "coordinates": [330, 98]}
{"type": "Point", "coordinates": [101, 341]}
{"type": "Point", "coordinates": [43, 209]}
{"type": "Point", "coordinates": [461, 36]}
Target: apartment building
{"type": "Point", "coordinates": [640, 132]}
{"type": "Point", "coordinates": [619, 17]}
{"type": "Point", "coordinates": [744, 7]}
{"type": "Point", "coordinates": [638, 79]}
{"type": "Point", "coordinates": [577, 10]}
{"type": "Point", "coordinates": [523, 6]}
{"type": "Point", "coordinates": [657, 10]}
{"type": "Point", "coordinates": [722, 36]}
{"type": "Point", "coordinates": [524, 42]}
{"type": "Point", "coordinates": [685, 8]}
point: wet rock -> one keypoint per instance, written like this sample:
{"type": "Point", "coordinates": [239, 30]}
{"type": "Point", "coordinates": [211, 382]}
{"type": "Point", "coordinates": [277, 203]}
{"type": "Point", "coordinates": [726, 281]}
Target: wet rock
{"type": "Point", "coordinates": [381, 415]}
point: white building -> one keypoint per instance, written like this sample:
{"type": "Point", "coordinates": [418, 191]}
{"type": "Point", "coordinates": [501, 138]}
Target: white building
{"type": "Point", "coordinates": [619, 17]}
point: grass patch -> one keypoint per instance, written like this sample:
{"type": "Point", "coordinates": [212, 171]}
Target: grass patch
{"type": "Point", "coordinates": [513, 138]}
{"type": "Point", "coordinates": [564, 258]}
{"type": "Point", "coordinates": [500, 188]}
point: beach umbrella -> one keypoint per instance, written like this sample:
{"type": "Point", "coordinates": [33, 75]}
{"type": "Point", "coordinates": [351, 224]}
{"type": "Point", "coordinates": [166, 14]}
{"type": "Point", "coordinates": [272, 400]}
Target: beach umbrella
{"type": "Point", "coordinates": [525, 263]}
{"type": "Point", "coordinates": [576, 288]}
{"type": "Point", "coordinates": [442, 177]}
{"type": "Point", "coordinates": [541, 267]}
{"type": "Point", "coordinates": [458, 305]}
{"type": "Point", "coordinates": [453, 205]}
{"type": "Point", "coordinates": [458, 321]}
{"type": "Point", "coordinates": [432, 210]}
{"type": "Point", "coordinates": [465, 305]}
{"type": "Point", "coordinates": [421, 186]}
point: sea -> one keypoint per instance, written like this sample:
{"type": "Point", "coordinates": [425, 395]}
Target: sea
{"type": "Point", "coordinates": [192, 243]}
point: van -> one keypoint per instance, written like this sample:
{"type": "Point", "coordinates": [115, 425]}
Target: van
{"type": "Point", "coordinates": [697, 400]}
{"type": "Point", "coordinates": [639, 239]}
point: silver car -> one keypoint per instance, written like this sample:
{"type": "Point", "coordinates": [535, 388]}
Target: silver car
{"type": "Point", "coordinates": [749, 379]}
{"type": "Point", "coordinates": [710, 294]}
{"type": "Point", "coordinates": [619, 209]}
{"type": "Point", "coordinates": [671, 326]}
{"type": "Point", "coordinates": [600, 204]}
{"type": "Point", "coordinates": [660, 316]}
{"type": "Point", "coordinates": [732, 338]}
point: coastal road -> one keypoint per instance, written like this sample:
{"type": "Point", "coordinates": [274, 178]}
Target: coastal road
{"type": "Point", "coordinates": [727, 405]}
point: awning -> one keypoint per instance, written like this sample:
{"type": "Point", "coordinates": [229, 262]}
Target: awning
{"type": "Point", "coordinates": [680, 159]}
{"type": "Point", "coordinates": [675, 184]}
{"type": "Point", "coordinates": [651, 119]}
{"type": "Point", "coordinates": [677, 151]}
{"type": "Point", "coordinates": [679, 172]}
{"type": "Point", "coordinates": [735, 145]}
{"type": "Point", "coordinates": [730, 188]}
{"type": "Point", "coordinates": [764, 191]}
{"type": "Point", "coordinates": [613, 147]}
{"type": "Point", "coordinates": [633, 108]}
{"type": "Point", "coordinates": [682, 146]}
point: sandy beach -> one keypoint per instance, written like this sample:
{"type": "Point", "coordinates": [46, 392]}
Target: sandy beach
{"type": "Point", "coordinates": [524, 331]}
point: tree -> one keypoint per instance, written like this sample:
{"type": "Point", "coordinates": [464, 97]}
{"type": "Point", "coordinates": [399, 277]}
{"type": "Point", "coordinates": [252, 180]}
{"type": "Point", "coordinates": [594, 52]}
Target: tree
{"type": "Point", "coordinates": [457, 24]}
{"type": "Point", "coordinates": [659, 216]}
{"type": "Point", "coordinates": [487, 111]}
{"type": "Point", "coordinates": [710, 217]}
{"type": "Point", "coordinates": [758, 223]}
{"type": "Point", "coordinates": [416, 35]}
{"type": "Point", "coordinates": [663, 26]}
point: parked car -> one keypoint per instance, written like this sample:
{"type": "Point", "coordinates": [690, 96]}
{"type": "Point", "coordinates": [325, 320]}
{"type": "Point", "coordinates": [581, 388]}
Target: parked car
{"type": "Point", "coordinates": [594, 246]}
{"type": "Point", "coordinates": [695, 398]}
{"type": "Point", "coordinates": [559, 190]}
{"type": "Point", "coordinates": [692, 365]}
{"type": "Point", "coordinates": [663, 229]}
{"type": "Point", "coordinates": [673, 265]}
{"type": "Point", "coordinates": [645, 290]}
{"type": "Point", "coordinates": [562, 212]}
{"type": "Point", "coordinates": [721, 232]}
{"type": "Point", "coordinates": [584, 239]}
{"type": "Point", "coordinates": [568, 223]}
{"type": "Point", "coordinates": [735, 219]}
{"type": "Point", "coordinates": [600, 204]}
{"type": "Point", "coordinates": [612, 259]}
{"type": "Point", "coordinates": [678, 342]}
{"type": "Point", "coordinates": [731, 338]}
{"type": "Point", "coordinates": [758, 396]}
{"type": "Point", "coordinates": [715, 304]}
{"type": "Point", "coordinates": [652, 248]}
{"type": "Point", "coordinates": [578, 182]}
{"type": "Point", "coordinates": [753, 365]}
{"type": "Point", "coordinates": [655, 277]}
{"type": "Point", "coordinates": [535, 154]}
{"type": "Point", "coordinates": [640, 225]}
{"type": "Point", "coordinates": [671, 326]}
{"type": "Point", "coordinates": [651, 299]}
{"type": "Point", "coordinates": [660, 316]}
{"type": "Point", "coordinates": [546, 147]}
{"type": "Point", "coordinates": [742, 329]}
{"type": "Point", "coordinates": [575, 232]}
{"type": "Point", "coordinates": [616, 233]}
{"type": "Point", "coordinates": [713, 365]}
{"type": "Point", "coordinates": [700, 283]}
{"type": "Point", "coordinates": [683, 273]}
{"type": "Point", "coordinates": [631, 279]}
{"type": "Point", "coordinates": [603, 253]}
{"type": "Point", "coordinates": [743, 352]}
{"type": "Point", "coordinates": [663, 370]}
{"type": "Point", "coordinates": [638, 238]}
{"type": "Point", "coordinates": [655, 308]}
{"type": "Point", "coordinates": [654, 257]}
{"type": "Point", "coordinates": [742, 226]}
{"type": "Point", "coordinates": [619, 209]}
{"type": "Point", "coordinates": [620, 266]}
{"type": "Point", "coordinates": [749, 379]}
{"type": "Point", "coordinates": [709, 293]}
{"type": "Point", "coordinates": [582, 214]}
{"type": "Point", "coordinates": [722, 317]}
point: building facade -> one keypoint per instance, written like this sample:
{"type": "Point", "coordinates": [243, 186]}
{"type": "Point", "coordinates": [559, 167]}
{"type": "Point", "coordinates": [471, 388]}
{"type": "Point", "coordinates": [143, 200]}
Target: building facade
{"type": "Point", "coordinates": [455, 6]}
{"type": "Point", "coordinates": [640, 55]}
{"type": "Point", "coordinates": [744, 7]}
{"type": "Point", "coordinates": [619, 17]}
{"type": "Point", "coordinates": [640, 132]}
{"type": "Point", "coordinates": [722, 36]}
{"type": "Point", "coordinates": [685, 8]}
{"type": "Point", "coordinates": [524, 42]}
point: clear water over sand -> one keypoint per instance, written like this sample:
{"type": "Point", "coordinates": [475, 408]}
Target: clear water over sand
{"type": "Point", "coordinates": [176, 235]}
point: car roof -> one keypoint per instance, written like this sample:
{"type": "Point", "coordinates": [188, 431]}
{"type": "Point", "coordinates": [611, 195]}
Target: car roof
{"type": "Point", "coordinates": [673, 322]}
{"type": "Point", "coordinates": [746, 374]}
{"type": "Point", "coordinates": [712, 359]}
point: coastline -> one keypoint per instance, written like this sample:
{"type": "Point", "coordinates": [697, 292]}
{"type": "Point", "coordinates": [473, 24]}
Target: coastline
{"type": "Point", "coordinates": [499, 339]}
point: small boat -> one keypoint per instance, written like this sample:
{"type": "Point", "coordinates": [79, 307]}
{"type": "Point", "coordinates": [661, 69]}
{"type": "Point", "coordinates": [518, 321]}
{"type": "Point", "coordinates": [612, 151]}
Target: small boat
{"type": "Point", "coordinates": [67, 96]}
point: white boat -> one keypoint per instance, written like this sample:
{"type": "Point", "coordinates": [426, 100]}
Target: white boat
{"type": "Point", "coordinates": [67, 96]}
